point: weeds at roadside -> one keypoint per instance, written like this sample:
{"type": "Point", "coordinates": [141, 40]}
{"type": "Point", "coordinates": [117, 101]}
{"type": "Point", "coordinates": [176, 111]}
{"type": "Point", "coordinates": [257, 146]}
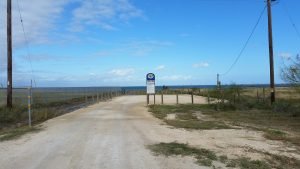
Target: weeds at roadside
{"type": "Point", "coordinates": [271, 123]}
{"type": "Point", "coordinates": [206, 157]}
{"type": "Point", "coordinates": [18, 115]}
{"type": "Point", "coordinates": [223, 159]}
{"type": "Point", "coordinates": [279, 161]}
{"type": "Point", "coordinates": [17, 133]}
{"type": "Point", "coordinates": [197, 124]}
{"type": "Point", "coordinates": [275, 135]}
{"type": "Point", "coordinates": [185, 117]}
{"type": "Point", "coordinates": [247, 163]}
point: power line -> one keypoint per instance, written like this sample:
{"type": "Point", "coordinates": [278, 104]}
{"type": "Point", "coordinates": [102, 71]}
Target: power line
{"type": "Point", "coordinates": [291, 20]}
{"type": "Point", "coordinates": [2, 42]}
{"type": "Point", "coordinates": [26, 42]}
{"type": "Point", "coordinates": [246, 44]}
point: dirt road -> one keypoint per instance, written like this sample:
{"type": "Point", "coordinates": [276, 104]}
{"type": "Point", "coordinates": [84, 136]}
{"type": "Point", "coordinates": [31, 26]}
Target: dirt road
{"type": "Point", "coordinates": [114, 135]}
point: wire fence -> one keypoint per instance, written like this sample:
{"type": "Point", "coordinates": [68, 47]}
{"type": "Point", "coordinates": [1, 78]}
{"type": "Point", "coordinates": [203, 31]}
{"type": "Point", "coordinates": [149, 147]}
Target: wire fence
{"type": "Point", "coordinates": [34, 105]}
{"type": "Point", "coordinates": [46, 103]}
{"type": "Point", "coordinates": [53, 95]}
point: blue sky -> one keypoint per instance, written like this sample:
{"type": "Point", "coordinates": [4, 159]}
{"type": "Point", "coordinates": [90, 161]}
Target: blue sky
{"type": "Point", "coordinates": [117, 42]}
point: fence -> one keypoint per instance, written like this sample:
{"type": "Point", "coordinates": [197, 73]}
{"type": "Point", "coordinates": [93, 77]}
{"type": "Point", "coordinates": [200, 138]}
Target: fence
{"type": "Point", "coordinates": [51, 102]}
{"type": "Point", "coordinates": [51, 95]}
{"type": "Point", "coordinates": [45, 103]}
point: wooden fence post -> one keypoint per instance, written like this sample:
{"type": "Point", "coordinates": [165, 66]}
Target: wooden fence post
{"type": "Point", "coordinates": [257, 95]}
{"type": "Point", "coordinates": [192, 97]}
{"type": "Point", "coordinates": [234, 98]}
{"type": "Point", "coordinates": [208, 99]}
{"type": "Point", "coordinates": [264, 94]}
{"type": "Point", "coordinates": [147, 99]}
{"type": "Point", "coordinates": [176, 98]}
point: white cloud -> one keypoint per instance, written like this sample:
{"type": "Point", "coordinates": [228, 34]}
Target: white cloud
{"type": "Point", "coordinates": [176, 77]}
{"type": "Point", "coordinates": [144, 48]}
{"type": "Point", "coordinates": [160, 67]}
{"type": "Point", "coordinates": [285, 55]}
{"type": "Point", "coordinates": [122, 72]}
{"type": "Point", "coordinates": [104, 13]}
{"type": "Point", "coordinates": [201, 65]}
{"type": "Point", "coordinates": [39, 19]}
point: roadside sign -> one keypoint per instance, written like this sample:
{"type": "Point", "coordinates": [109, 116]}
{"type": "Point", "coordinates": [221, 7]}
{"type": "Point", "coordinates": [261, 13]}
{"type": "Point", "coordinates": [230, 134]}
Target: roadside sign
{"type": "Point", "coordinates": [150, 83]}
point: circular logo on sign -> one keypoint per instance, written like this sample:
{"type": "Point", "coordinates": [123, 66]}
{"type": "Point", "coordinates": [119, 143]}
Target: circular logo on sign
{"type": "Point", "coordinates": [151, 76]}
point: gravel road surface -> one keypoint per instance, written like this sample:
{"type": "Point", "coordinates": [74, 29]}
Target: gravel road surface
{"type": "Point", "coordinates": [114, 135]}
{"type": "Point", "coordinates": [107, 135]}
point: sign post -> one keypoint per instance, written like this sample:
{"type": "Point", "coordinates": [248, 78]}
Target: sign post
{"type": "Point", "coordinates": [150, 82]}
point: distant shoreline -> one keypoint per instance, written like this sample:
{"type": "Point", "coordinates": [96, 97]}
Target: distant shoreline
{"type": "Point", "coordinates": [106, 88]}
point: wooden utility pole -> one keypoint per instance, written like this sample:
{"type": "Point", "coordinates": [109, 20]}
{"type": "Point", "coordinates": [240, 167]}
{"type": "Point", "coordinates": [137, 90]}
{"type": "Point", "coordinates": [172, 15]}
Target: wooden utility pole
{"type": "Point", "coordinates": [272, 81]}
{"type": "Point", "coordinates": [9, 55]}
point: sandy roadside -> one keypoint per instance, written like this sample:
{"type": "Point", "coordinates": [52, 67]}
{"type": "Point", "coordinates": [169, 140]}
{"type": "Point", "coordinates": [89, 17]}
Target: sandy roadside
{"type": "Point", "coordinates": [114, 135]}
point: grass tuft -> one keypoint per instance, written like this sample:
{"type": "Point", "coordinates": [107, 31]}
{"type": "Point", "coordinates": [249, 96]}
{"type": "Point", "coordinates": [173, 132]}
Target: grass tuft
{"type": "Point", "coordinates": [204, 157]}
{"type": "Point", "coordinates": [17, 133]}
{"type": "Point", "coordinates": [185, 117]}
{"type": "Point", "coordinates": [275, 135]}
{"type": "Point", "coordinates": [197, 124]}
{"type": "Point", "coordinates": [247, 163]}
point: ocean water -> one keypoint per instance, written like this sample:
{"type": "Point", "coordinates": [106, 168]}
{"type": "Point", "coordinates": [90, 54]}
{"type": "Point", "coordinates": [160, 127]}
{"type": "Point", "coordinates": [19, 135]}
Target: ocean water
{"type": "Point", "coordinates": [132, 88]}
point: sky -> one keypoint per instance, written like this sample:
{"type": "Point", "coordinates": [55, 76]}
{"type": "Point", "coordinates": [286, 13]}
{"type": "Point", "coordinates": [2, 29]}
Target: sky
{"type": "Point", "coordinates": [70, 43]}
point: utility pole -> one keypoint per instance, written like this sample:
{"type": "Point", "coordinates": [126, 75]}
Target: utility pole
{"type": "Point", "coordinates": [9, 55]}
{"type": "Point", "coordinates": [272, 81]}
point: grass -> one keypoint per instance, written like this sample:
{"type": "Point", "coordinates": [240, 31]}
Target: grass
{"type": "Point", "coordinates": [185, 117]}
{"type": "Point", "coordinates": [223, 159]}
{"type": "Point", "coordinates": [247, 163]}
{"type": "Point", "coordinates": [280, 121]}
{"type": "Point", "coordinates": [273, 124]}
{"type": "Point", "coordinates": [18, 115]}
{"type": "Point", "coordinates": [17, 133]}
{"type": "Point", "coordinates": [197, 124]}
{"type": "Point", "coordinates": [204, 157]}
{"type": "Point", "coordinates": [275, 135]}
{"type": "Point", "coordinates": [279, 161]}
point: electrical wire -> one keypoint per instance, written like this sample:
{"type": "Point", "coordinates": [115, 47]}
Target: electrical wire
{"type": "Point", "coordinates": [2, 43]}
{"type": "Point", "coordinates": [26, 42]}
{"type": "Point", "coordinates": [246, 43]}
{"type": "Point", "coordinates": [291, 19]}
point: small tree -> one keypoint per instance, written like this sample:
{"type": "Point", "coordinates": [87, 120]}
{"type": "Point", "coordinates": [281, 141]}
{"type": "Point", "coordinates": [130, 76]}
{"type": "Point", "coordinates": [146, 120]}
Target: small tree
{"type": "Point", "coordinates": [291, 73]}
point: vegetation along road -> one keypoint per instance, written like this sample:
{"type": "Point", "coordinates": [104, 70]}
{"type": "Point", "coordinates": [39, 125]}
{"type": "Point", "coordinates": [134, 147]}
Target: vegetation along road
{"type": "Point", "coordinates": [123, 133]}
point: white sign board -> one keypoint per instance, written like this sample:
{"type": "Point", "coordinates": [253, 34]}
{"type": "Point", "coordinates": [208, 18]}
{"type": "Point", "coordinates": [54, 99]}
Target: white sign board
{"type": "Point", "coordinates": [150, 83]}
{"type": "Point", "coordinates": [150, 87]}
